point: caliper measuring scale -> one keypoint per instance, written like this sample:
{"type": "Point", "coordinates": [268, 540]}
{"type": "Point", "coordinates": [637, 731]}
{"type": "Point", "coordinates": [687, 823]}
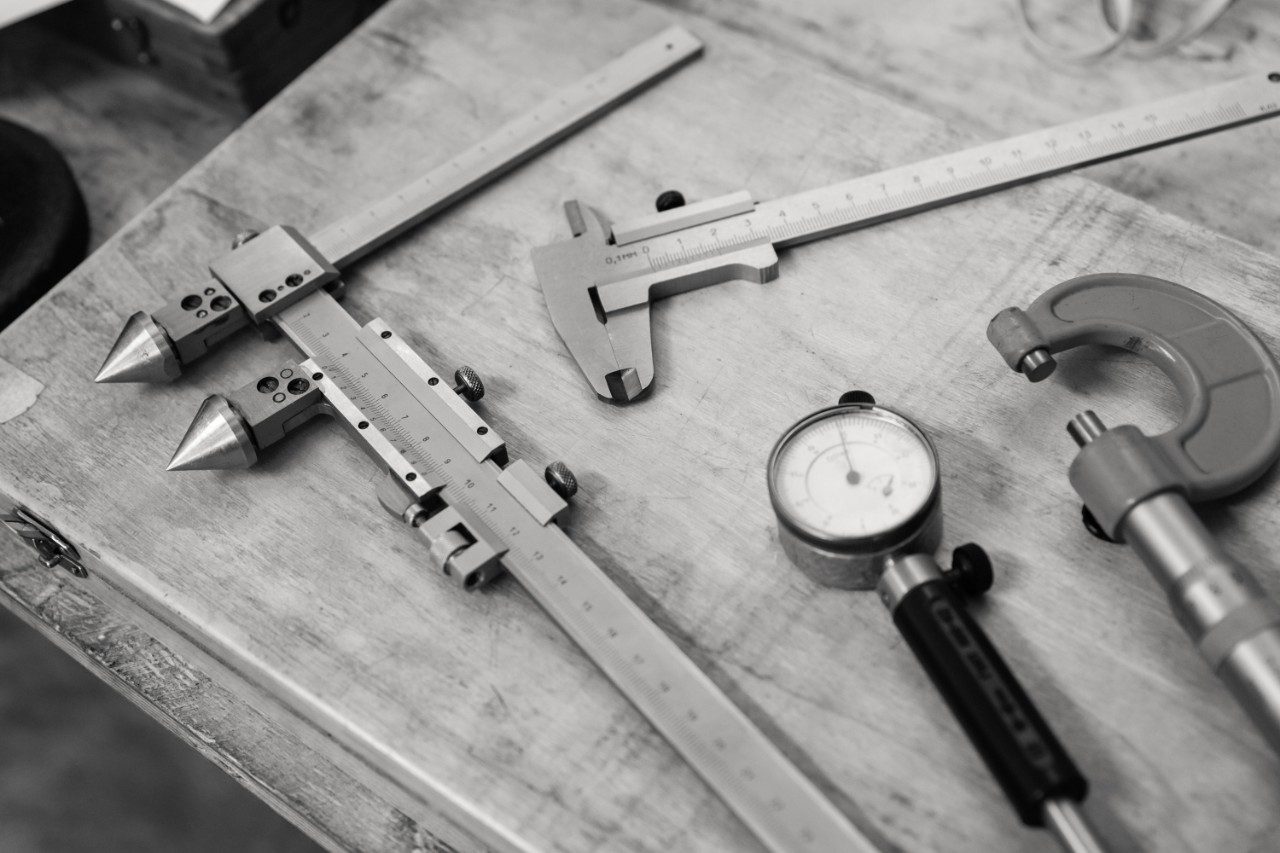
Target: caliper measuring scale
{"type": "Point", "coordinates": [858, 497]}
{"type": "Point", "coordinates": [449, 477]}
{"type": "Point", "coordinates": [598, 286]}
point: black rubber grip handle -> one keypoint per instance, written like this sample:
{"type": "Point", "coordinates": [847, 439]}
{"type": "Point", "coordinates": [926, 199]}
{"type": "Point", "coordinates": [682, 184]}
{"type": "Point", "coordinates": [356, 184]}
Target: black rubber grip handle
{"type": "Point", "coordinates": [995, 712]}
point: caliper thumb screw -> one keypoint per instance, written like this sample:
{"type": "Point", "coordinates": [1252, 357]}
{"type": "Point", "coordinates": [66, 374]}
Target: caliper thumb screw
{"type": "Point", "coordinates": [561, 480]}
{"type": "Point", "coordinates": [971, 569]}
{"type": "Point", "coordinates": [669, 200]}
{"type": "Point", "coordinates": [468, 383]}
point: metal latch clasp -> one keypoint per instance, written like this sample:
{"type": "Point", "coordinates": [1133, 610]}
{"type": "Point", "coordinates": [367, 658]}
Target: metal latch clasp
{"type": "Point", "coordinates": [51, 547]}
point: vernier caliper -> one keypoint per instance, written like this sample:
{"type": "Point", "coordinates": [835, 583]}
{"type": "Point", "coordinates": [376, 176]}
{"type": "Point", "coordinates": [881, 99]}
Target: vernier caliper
{"type": "Point", "coordinates": [449, 476]}
{"type": "Point", "coordinates": [1139, 488]}
{"type": "Point", "coordinates": [599, 284]}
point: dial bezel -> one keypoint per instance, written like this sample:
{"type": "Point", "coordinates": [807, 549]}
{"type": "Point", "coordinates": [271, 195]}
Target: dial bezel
{"type": "Point", "coordinates": [877, 542]}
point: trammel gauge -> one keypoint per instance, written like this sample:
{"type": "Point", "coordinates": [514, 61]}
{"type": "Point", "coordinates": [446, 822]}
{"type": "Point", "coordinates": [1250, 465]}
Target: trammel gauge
{"type": "Point", "coordinates": [448, 473]}
{"type": "Point", "coordinates": [599, 284]}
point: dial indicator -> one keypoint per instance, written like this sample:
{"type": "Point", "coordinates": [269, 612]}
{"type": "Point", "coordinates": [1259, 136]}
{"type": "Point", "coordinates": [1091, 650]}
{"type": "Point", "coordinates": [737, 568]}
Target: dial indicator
{"type": "Point", "coordinates": [852, 472]}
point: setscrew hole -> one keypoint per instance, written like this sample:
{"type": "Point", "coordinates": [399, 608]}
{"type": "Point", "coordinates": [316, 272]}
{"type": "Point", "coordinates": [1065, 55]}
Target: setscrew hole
{"type": "Point", "coordinates": [386, 334]}
{"type": "Point", "coordinates": [411, 476]}
{"type": "Point", "coordinates": [293, 280]}
{"type": "Point", "coordinates": [267, 296]}
{"type": "Point", "coordinates": [298, 386]}
{"type": "Point", "coordinates": [482, 430]}
{"type": "Point", "coordinates": [220, 303]}
{"type": "Point", "coordinates": [317, 376]}
{"type": "Point", "coordinates": [191, 303]}
{"type": "Point", "coordinates": [1274, 76]}
{"type": "Point", "coordinates": [363, 425]}
{"type": "Point", "coordinates": [267, 384]}
{"type": "Point", "coordinates": [433, 381]}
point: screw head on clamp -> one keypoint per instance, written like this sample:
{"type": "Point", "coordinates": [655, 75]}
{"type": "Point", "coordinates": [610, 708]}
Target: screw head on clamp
{"type": "Point", "coordinates": [561, 480]}
{"type": "Point", "coordinates": [669, 200]}
{"type": "Point", "coordinates": [468, 384]}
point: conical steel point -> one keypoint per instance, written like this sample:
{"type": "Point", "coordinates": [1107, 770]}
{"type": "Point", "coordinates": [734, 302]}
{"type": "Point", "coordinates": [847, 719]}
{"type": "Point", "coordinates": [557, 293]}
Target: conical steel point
{"type": "Point", "coordinates": [217, 439]}
{"type": "Point", "coordinates": [142, 353]}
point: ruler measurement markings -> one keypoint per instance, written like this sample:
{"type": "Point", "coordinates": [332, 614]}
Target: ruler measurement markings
{"type": "Point", "coordinates": [758, 783]}
{"type": "Point", "coordinates": [990, 167]}
{"type": "Point", "coordinates": [511, 145]}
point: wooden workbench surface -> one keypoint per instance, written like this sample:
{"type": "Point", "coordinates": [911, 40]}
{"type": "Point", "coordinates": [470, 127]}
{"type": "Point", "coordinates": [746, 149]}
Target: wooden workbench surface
{"type": "Point", "coordinates": [472, 715]}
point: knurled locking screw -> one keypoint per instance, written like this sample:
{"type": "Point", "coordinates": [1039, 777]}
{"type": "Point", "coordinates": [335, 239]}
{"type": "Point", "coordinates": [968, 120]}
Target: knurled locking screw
{"type": "Point", "coordinates": [971, 571]}
{"type": "Point", "coordinates": [242, 238]}
{"type": "Point", "coordinates": [468, 384]}
{"type": "Point", "coordinates": [561, 480]}
{"type": "Point", "coordinates": [669, 200]}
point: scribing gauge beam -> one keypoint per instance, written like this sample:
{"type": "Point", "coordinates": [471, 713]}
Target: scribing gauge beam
{"type": "Point", "coordinates": [598, 285]}
{"type": "Point", "coordinates": [448, 475]}
{"type": "Point", "coordinates": [1140, 488]}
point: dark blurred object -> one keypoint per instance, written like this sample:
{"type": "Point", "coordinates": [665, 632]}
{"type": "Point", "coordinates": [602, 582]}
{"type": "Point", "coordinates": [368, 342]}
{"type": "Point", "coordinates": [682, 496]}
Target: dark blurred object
{"type": "Point", "coordinates": [247, 54]}
{"type": "Point", "coordinates": [44, 228]}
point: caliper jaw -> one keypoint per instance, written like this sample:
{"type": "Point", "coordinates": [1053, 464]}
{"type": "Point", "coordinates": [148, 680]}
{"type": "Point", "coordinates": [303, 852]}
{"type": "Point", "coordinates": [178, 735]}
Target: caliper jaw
{"type": "Point", "coordinates": [229, 432]}
{"type": "Point", "coordinates": [261, 276]}
{"type": "Point", "coordinates": [602, 314]}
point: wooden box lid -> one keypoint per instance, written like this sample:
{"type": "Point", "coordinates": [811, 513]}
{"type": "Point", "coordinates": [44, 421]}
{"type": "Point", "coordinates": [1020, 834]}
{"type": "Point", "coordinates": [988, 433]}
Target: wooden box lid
{"type": "Point", "coordinates": [478, 715]}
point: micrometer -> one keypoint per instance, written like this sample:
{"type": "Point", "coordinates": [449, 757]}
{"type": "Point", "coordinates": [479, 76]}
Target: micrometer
{"type": "Point", "coordinates": [1139, 489]}
{"type": "Point", "coordinates": [598, 285]}
{"type": "Point", "coordinates": [449, 476]}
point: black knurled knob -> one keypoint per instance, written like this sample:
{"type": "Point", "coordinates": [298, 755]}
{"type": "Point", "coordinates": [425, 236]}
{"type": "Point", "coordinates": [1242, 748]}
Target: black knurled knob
{"type": "Point", "coordinates": [971, 569]}
{"type": "Point", "coordinates": [669, 200]}
{"type": "Point", "coordinates": [561, 480]}
{"type": "Point", "coordinates": [862, 398]}
{"type": "Point", "coordinates": [468, 383]}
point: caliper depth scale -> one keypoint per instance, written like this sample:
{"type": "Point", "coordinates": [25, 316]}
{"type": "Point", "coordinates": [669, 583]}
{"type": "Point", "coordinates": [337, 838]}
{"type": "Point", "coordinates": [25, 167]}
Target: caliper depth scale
{"type": "Point", "coordinates": [598, 285]}
{"type": "Point", "coordinates": [449, 476]}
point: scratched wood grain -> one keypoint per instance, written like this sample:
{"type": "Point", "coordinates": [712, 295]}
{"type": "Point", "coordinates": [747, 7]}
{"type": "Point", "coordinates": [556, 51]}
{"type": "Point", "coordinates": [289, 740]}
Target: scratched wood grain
{"type": "Point", "coordinates": [127, 138]}
{"type": "Point", "coordinates": [317, 609]}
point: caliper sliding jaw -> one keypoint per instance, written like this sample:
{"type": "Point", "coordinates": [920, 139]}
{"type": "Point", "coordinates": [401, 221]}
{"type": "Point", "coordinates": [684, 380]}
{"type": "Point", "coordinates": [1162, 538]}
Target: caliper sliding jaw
{"type": "Point", "coordinates": [602, 313]}
{"type": "Point", "coordinates": [262, 275]}
{"type": "Point", "coordinates": [229, 432]}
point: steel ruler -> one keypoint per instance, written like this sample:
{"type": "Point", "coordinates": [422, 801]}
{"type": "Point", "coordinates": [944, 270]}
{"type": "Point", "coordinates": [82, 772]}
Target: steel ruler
{"type": "Point", "coordinates": [385, 395]}
{"type": "Point", "coordinates": [598, 285]}
{"type": "Point", "coordinates": [449, 475]}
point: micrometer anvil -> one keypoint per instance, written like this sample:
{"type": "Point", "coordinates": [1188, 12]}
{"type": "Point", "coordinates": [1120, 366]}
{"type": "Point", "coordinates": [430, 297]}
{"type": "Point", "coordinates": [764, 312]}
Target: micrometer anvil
{"type": "Point", "coordinates": [1138, 488]}
{"type": "Point", "coordinates": [599, 284]}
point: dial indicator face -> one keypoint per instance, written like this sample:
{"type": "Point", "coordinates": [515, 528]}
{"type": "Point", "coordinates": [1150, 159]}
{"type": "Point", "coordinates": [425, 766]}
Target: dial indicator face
{"type": "Point", "coordinates": [854, 473]}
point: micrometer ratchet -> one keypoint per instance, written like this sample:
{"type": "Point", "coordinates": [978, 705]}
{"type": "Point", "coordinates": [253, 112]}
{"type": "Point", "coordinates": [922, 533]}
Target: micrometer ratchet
{"type": "Point", "coordinates": [1139, 488]}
